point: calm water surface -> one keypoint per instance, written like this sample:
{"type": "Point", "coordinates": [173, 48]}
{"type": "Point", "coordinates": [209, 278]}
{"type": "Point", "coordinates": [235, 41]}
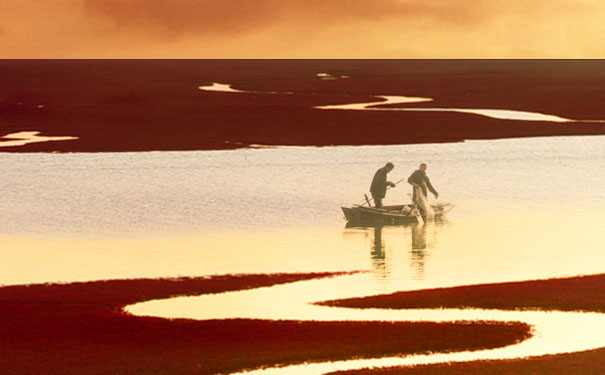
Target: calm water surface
{"type": "Point", "coordinates": [525, 208]}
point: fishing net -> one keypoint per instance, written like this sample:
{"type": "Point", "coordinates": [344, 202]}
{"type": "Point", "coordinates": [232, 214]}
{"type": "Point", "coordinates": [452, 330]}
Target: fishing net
{"type": "Point", "coordinates": [423, 204]}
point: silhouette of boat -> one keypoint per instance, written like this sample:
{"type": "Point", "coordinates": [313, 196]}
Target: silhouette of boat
{"type": "Point", "coordinates": [405, 213]}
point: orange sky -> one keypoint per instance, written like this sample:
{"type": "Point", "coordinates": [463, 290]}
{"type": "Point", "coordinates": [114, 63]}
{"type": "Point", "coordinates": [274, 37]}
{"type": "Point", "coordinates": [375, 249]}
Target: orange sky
{"type": "Point", "coordinates": [302, 29]}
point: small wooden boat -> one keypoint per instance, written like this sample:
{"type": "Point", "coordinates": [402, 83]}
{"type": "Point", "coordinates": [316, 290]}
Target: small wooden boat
{"type": "Point", "coordinates": [405, 213]}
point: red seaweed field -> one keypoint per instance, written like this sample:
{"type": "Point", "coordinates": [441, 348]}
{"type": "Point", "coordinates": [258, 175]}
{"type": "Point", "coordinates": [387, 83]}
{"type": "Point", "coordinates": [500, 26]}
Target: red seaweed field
{"type": "Point", "coordinates": [79, 328]}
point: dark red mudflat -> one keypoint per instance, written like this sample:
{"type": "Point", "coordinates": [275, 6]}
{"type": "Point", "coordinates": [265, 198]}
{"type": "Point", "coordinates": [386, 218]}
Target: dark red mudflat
{"type": "Point", "coordinates": [142, 105]}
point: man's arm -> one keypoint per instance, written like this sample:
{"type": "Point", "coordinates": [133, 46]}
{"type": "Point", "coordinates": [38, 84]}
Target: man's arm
{"type": "Point", "coordinates": [411, 179]}
{"type": "Point", "coordinates": [430, 186]}
{"type": "Point", "coordinates": [415, 179]}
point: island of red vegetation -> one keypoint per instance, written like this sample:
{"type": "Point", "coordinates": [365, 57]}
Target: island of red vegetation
{"type": "Point", "coordinates": [568, 294]}
{"type": "Point", "coordinates": [81, 328]}
{"type": "Point", "coordinates": [585, 293]}
{"type": "Point", "coordinates": [142, 105]}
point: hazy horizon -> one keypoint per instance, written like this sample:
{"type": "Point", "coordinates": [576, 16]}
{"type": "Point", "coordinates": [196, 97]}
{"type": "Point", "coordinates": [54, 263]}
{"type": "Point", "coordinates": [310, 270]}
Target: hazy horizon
{"type": "Point", "coordinates": [301, 29]}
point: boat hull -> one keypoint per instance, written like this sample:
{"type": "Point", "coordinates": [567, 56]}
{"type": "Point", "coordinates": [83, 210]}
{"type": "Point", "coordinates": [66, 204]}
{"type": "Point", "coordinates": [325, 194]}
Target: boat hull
{"type": "Point", "coordinates": [390, 214]}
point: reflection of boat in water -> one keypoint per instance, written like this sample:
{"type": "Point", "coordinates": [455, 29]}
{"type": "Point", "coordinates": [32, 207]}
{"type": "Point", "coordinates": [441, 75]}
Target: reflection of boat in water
{"type": "Point", "coordinates": [406, 213]}
{"type": "Point", "coordinates": [422, 242]}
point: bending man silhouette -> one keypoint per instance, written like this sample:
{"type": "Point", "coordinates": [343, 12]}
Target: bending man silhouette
{"type": "Point", "coordinates": [420, 181]}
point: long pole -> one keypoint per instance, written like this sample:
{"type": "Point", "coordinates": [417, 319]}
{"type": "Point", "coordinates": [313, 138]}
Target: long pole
{"type": "Point", "coordinates": [371, 199]}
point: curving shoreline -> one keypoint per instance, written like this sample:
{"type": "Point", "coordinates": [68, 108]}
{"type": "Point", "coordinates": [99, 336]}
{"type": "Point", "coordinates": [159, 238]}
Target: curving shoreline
{"type": "Point", "coordinates": [384, 100]}
{"type": "Point", "coordinates": [81, 328]}
{"type": "Point", "coordinates": [584, 293]}
{"type": "Point", "coordinates": [294, 302]}
{"type": "Point", "coordinates": [47, 325]}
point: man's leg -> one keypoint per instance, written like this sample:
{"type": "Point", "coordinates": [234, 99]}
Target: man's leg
{"type": "Point", "coordinates": [378, 202]}
{"type": "Point", "coordinates": [416, 199]}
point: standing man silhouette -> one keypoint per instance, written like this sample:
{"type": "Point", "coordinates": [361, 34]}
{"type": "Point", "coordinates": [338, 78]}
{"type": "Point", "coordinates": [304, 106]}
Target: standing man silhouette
{"type": "Point", "coordinates": [378, 189]}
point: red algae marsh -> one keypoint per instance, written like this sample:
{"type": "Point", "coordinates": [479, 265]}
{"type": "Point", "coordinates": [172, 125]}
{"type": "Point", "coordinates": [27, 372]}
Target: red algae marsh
{"type": "Point", "coordinates": [146, 105]}
{"type": "Point", "coordinates": [180, 249]}
{"type": "Point", "coordinates": [80, 328]}
{"type": "Point", "coordinates": [580, 293]}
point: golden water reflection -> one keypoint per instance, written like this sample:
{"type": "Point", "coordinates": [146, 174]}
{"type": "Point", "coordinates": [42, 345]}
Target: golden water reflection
{"type": "Point", "coordinates": [419, 248]}
{"type": "Point", "coordinates": [497, 245]}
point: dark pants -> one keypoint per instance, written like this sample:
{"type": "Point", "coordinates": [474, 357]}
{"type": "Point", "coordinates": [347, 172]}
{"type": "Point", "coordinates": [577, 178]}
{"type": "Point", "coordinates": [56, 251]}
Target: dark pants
{"type": "Point", "coordinates": [377, 201]}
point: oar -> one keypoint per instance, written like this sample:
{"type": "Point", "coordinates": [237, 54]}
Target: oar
{"type": "Point", "coordinates": [371, 199]}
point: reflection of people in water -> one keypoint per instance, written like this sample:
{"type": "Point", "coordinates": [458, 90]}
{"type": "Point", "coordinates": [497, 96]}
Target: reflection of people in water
{"type": "Point", "coordinates": [418, 250]}
{"type": "Point", "coordinates": [378, 189]}
{"type": "Point", "coordinates": [423, 241]}
{"type": "Point", "coordinates": [378, 252]}
{"type": "Point", "coordinates": [418, 237]}
{"type": "Point", "coordinates": [419, 246]}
